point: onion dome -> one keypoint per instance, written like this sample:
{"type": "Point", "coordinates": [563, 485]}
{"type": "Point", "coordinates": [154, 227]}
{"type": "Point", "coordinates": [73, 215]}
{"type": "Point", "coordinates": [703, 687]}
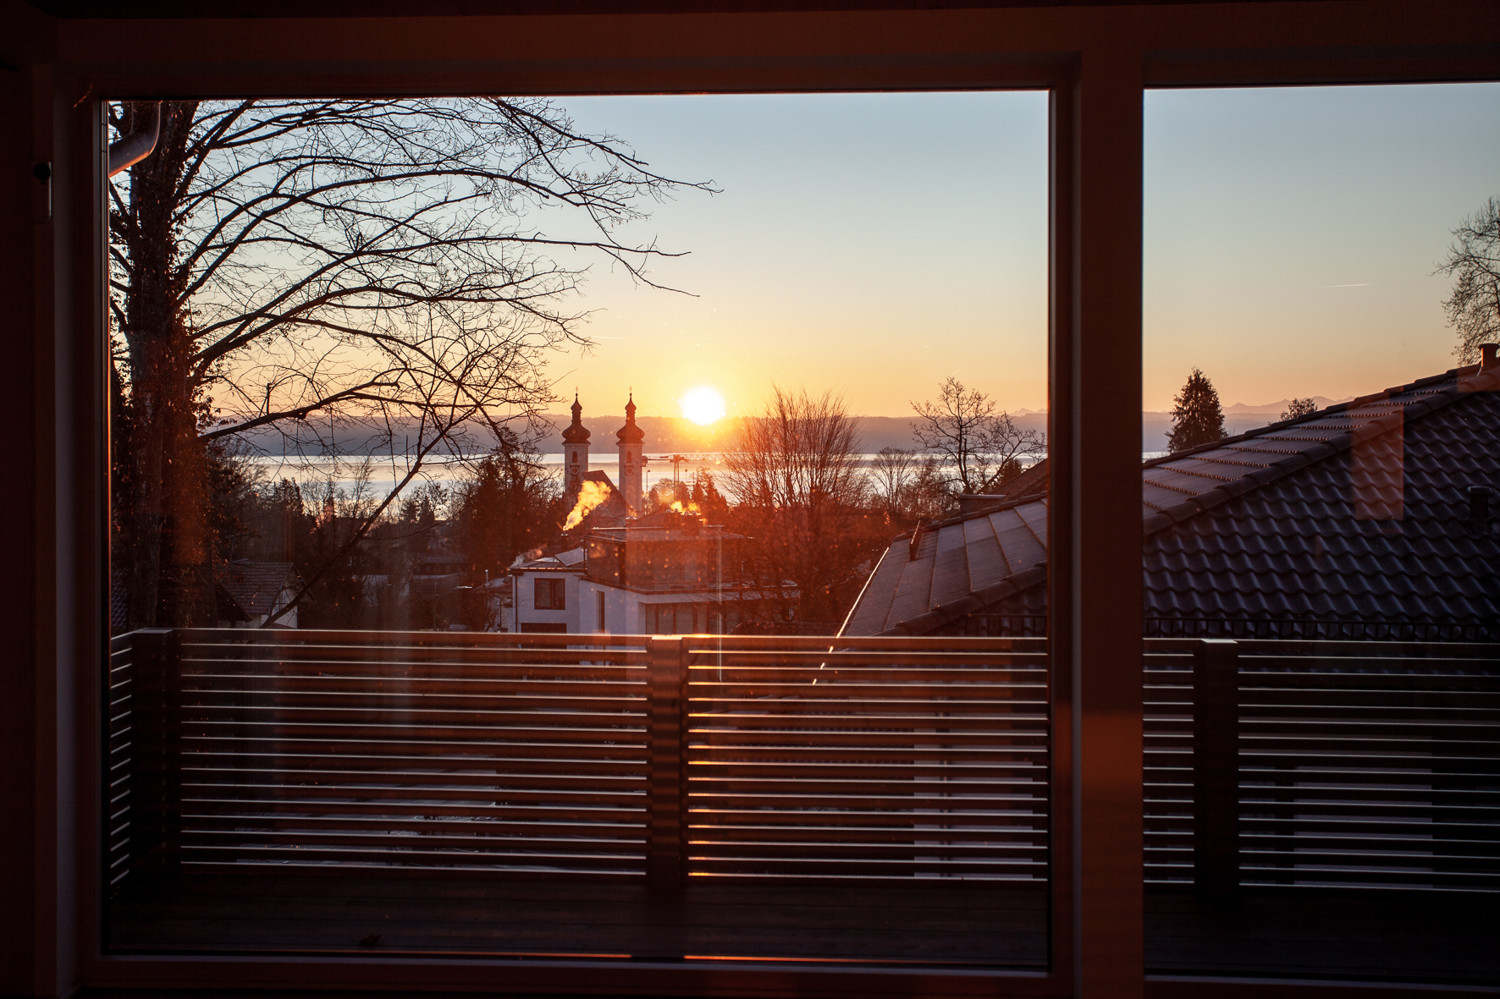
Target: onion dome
{"type": "Point", "coordinates": [576, 433]}
{"type": "Point", "coordinates": [630, 433]}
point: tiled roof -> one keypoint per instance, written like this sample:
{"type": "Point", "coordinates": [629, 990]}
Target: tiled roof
{"type": "Point", "coordinates": [1356, 514]}
{"type": "Point", "coordinates": [254, 586]}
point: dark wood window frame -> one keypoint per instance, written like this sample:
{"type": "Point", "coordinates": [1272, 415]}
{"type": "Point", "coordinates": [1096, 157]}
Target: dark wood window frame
{"type": "Point", "coordinates": [1095, 60]}
{"type": "Point", "coordinates": [550, 593]}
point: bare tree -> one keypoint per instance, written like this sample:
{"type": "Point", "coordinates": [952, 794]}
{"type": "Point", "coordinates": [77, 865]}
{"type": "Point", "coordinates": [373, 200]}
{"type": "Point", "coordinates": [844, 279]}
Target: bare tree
{"type": "Point", "coordinates": [400, 269]}
{"type": "Point", "coordinates": [1473, 262]}
{"type": "Point", "coordinates": [795, 470]}
{"type": "Point", "coordinates": [893, 471]}
{"type": "Point", "coordinates": [982, 448]}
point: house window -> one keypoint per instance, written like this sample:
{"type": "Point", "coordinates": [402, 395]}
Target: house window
{"type": "Point", "coordinates": [551, 594]}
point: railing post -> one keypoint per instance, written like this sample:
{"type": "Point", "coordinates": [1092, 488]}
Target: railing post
{"type": "Point", "coordinates": [157, 708]}
{"type": "Point", "coordinates": [1216, 799]}
{"type": "Point", "coordinates": [666, 848]}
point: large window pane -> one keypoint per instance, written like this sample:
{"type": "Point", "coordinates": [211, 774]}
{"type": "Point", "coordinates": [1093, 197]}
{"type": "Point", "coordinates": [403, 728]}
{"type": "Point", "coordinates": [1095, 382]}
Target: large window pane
{"type": "Point", "coordinates": [489, 577]}
{"type": "Point", "coordinates": [1323, 700]}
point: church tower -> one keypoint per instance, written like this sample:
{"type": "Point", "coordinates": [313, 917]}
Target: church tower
{"type": "Point", "coordinates": [575, 452]}
{"type": "Point", "coordinates": [632, 445]}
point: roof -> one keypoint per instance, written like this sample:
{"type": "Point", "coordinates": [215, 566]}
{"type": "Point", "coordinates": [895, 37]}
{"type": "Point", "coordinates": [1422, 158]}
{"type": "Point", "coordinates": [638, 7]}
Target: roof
{"type": "Point", "coordinates": [610, 510]}
{"type": "Point", "coordinates": [572, 559]}
{"type": "Point", "coordinates": [1356, 514]}
{"type": "Point", "coordinates": [255, 586]}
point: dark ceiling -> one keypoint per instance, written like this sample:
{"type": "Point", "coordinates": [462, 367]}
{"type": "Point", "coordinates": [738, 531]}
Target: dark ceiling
{"type": "Point", "coordinates": [143, 9]}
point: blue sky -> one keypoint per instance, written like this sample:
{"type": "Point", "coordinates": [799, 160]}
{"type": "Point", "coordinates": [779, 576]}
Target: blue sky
{"type": "Point", "coordinates": [873, 244]}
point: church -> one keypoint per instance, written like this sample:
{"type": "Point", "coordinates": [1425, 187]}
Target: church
{"type": "Point", "coordinates": [626, 571]}
{"type": "Point", "coordinates": [595, 500]}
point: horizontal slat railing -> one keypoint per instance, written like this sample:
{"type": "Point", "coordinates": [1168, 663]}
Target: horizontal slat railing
{"type": "Point", "coordinates": [1268, 764]}
{"type": "Point", "coordinates": [124, 764]}
{"type": "Point", "coordinates": [868, 759]}
{"type": "Point", "coordinates": [1323, 765]}
{"type": "Point", "coordinates": [420, 750]}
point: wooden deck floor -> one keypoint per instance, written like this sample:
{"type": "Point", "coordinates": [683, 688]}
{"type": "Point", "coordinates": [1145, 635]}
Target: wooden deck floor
{"type": "Point", "coordinates": [1419, 937]}
{"type": "Point", "coordinates": [1378, 936]}
{"type": "Point", "coordinates": [268, 911]}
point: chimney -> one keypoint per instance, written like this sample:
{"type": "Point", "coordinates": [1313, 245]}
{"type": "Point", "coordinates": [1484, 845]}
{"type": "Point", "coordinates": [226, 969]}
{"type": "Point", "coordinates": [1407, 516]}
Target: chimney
{"type": "Point", "coordinates": [1487, 360]}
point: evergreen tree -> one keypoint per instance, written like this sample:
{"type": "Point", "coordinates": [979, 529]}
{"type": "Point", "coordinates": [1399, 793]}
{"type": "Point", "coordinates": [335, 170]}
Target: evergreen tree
{"type": "Point", "coordinates": [710, 502]}
{"type": "Point", "coordinates": [1197, 417]}
{"type": "Point", "coordinates": [507, 507]}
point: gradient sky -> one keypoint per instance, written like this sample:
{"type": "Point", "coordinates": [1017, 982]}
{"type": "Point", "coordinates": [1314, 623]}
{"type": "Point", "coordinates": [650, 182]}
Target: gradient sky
{"type": "Point", "coordinates": [874, 244]}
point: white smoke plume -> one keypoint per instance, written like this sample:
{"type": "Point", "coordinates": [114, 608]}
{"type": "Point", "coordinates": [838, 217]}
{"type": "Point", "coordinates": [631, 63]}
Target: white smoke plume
{"type": "Point", "coordinates": [590, 495]}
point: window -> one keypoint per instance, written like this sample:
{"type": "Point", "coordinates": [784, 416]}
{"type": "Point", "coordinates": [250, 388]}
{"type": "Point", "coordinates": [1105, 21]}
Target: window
{"type": "Point", "coordinates": [1095, 366]}
{"type": "Point", "coordinates": [1308, 576]}
{"type": "Point", "coordinates": [551, 594]}
{"type": "Point", "coordinates": [769, 522]}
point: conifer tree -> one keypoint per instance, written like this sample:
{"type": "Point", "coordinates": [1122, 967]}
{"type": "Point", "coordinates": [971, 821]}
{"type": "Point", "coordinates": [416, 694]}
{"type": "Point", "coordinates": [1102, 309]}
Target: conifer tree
{"type": "Point", "coordinates": [1197, 417]}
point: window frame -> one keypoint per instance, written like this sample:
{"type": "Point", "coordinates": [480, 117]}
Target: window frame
{"type": "Point", "coordinates": [556, 589]}
{"type": "Point", "coordinates": [1095, 61]}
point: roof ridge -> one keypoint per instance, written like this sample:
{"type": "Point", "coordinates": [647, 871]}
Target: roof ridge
{"type": "Point", "coordinates": [1375, 426]}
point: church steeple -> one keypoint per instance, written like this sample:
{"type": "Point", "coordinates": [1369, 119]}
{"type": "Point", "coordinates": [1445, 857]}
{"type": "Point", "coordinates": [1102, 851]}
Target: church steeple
{"type": "Point", "coordinates": [631, 441]}
{"type": "Point", "coordinates": [576, 433]}
{"type": "Point", "coordinates": [575, 451]}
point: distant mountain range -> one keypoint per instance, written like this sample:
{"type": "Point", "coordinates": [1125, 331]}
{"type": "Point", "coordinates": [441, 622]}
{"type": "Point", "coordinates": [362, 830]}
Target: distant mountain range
{"type": "Point", "coordinates": [671, 434]}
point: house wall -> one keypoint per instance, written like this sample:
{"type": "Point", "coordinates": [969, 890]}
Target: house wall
{"type": "Point", "coordinates": [622, 614]}
{"type": "Point", "coordinates": [529, 613]}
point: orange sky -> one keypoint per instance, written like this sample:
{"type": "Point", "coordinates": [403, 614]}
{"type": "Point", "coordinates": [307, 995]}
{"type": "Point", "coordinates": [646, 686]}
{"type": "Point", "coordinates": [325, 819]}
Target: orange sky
{"type": "Point", "coordinates": [874, 244]}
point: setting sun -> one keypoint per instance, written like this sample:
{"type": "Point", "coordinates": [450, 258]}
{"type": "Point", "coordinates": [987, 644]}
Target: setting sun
{"type": "Point", "coordinates": [703, 405]}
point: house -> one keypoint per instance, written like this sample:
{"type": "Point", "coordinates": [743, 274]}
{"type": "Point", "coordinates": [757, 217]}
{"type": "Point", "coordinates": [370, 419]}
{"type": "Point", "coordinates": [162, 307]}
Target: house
{"type": "Point", "coordinates": [666, 573]}
{"type": "Point", "coordinates": [546, 593]}
{"type": "Point", "coordinates": [254, 591]}
{"type": "Point", "coordinates": [1371, 520]}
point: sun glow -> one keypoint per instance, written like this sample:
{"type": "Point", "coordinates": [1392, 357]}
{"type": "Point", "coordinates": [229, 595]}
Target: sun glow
{"type": "Point", "coordinates": [703, 405]}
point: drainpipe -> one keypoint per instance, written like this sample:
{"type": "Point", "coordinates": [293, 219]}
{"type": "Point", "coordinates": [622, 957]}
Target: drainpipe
{"type": "Point", "coordinates": [127, 152]}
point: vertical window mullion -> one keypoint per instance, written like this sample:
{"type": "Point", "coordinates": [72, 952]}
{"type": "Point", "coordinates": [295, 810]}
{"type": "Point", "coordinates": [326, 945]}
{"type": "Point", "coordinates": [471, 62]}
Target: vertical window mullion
{"type": "Point", "coordinates": [1096, 374]}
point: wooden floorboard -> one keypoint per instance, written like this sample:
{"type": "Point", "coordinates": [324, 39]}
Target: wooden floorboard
{"type": "Point", "coordinates": [1385, 936]}
{"type": "Point", "coordinates": [961, 925]}
{"type": "Point", "coordinates": [1443, 938]}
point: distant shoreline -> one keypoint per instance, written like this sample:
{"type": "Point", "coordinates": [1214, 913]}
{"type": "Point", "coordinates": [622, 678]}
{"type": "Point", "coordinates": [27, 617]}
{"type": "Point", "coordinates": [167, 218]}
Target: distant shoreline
{"type": "Point", "coordinates": [672, 434]}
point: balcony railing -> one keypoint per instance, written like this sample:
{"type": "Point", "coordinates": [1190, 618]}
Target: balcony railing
{"type": "Point", "coordinates": [579, 756]}
{"type": "Point", "coordinates": [665, 759]}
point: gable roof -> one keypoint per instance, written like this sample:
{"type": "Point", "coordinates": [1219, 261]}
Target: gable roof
{"type": "Point", "coordinates": [1355, 514]}
{"type": "Point", "coordinates": [255, 586]}
{"type": "Point", "coordinates": [610, 510]}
